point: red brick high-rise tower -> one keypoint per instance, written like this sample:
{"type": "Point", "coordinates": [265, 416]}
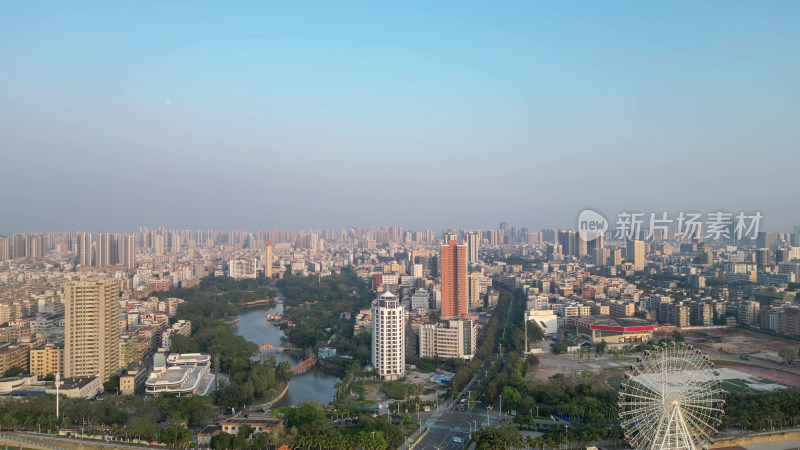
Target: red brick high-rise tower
{"type": "Point", "coordinates": [453, 263]}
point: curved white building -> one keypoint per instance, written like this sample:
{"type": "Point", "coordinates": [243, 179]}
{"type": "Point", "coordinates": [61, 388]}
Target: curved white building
{"type": "Point", "coordinates": [185, 374]}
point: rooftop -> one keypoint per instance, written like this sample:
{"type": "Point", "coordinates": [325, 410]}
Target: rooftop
{"type": "Point", "coordinates": [616, 322]}
{"type": "Point", "coordinates": [188, 358]}
{"type": "Point", "coordinates": [268, 422]}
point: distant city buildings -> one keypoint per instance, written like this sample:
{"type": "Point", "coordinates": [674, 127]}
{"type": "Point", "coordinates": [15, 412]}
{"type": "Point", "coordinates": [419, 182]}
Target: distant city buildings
{"type": "Point", "coordinates": [242, 268]}
{"type": "Point", "coordinates": [635, 254]}
{"type": "Point", "coordinates": [268, 259]}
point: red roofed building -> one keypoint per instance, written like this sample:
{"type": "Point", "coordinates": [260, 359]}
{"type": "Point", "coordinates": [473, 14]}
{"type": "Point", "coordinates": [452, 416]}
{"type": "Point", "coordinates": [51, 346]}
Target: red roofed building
{"type": "Point", "coordinates": [614, 330]}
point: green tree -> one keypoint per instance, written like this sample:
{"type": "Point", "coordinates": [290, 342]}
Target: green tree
{"type": "Point", "coordinates": [246, 430]}
{"type": "Point", "coordinates": [221, 441]}
{"type": "Point", "coordinates": [788, 355]}
{"type": "Point", "coordinates": [535, 332]}
{"type": "Point", "coordinates": [183, 344]}
{"type": "Point", "coordinates": [13, 371]}
{"type": "Point", "coordinates": [176, 436]}
{"type": "Point", "coordinates": [559, 347]}
{"type": "Point", "coordinates": [112, 383]}
{"type": "Point", "coordinates": [195, 409]}
{"type": "Point", "coordinates": [600, 347]}
{"type": "Point", "coordinates": [142, 427]}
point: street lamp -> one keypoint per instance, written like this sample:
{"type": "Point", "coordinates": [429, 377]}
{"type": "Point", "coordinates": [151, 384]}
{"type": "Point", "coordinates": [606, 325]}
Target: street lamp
{"type": "Point", "coordinates": [488, 408]}
{"type": "Point", "coordinates": [58, 383]}
{"type": "Point", "coordinates": [501, 405]}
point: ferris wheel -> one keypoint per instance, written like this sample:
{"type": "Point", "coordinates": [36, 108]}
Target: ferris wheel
{"type": "Point", "coordinates": [671, 399]}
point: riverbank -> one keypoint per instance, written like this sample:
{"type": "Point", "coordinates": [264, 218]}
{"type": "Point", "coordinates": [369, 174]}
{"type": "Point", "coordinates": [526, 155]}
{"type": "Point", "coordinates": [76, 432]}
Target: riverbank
{"type": "Point", "coordinates": [261, 302]}
{"type": "Point", "coordinates": [318, 384]}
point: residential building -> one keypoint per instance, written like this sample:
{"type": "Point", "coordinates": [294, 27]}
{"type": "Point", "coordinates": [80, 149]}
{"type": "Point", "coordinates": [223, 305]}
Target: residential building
{"type": "Point", "coordinates": [448, 339]}
{"type": "Point", "coordinates": [5, 248]}
{"type": "Point", "coordinates": [268, 259]}
{"type": "Point", "coordinates": [454, 279]}
{"type": "Point", "coordinates": [83, 244]}
{"type": "Point", "coordinates": [242, 268]}
{"type": "Point", "coordinates": [181, 327]}
{"type": "Point", "coordinates": [473, 242]}
{"type": "Point", "coordinates": [748, 313]}
{"type": "Point", "coordinates": [388, 337]}
{"type": "Point", "coordinates": [47, 360]}
{"type": "Point", "coordinates": [635, 254]}
{"type": "Point", "coordinates": [420, 300]}
{"type": "Point", "coordinates": [91, 328]}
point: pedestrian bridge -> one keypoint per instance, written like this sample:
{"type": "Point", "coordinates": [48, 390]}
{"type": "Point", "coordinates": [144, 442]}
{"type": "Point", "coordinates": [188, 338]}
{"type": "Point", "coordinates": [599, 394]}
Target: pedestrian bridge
{"type": "Point", "coordinates": [304, 366]}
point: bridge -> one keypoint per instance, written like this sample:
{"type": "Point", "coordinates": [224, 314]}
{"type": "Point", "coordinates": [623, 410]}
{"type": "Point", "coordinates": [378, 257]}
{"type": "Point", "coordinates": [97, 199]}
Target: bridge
{"type": "Point", "coordinates": [304, 366]}
{"type": "Point", "coordinates": [269, 348]}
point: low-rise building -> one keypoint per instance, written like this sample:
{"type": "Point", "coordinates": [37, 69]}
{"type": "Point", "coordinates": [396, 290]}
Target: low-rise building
{"type": "Point", "coordinates": [132, 381]}
{"type": "Point", "coordinates": [77, 387]}
{"type": "Point", "coordinates": [184, 374]}
{"type": "Point", "coordinates": [14, 355]}
{"type": "Point", "coordinates": [181, 327]}
{"type": "Point", "coordinates": [47, 360]}
{"type": "Point", "coordinates": [260, 425]}
{"type": "Point", "coordinates": [448, 339]}
{"type": "Point", "coordinates": [613, 330]}
{"type": "Point", "coordinates": [545, 319]}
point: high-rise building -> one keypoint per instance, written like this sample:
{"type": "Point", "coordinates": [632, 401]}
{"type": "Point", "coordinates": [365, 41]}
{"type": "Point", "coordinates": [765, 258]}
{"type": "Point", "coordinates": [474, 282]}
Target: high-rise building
{"type": "Point", "coordinates": [35, 246]}
{"type": "Point", "coordinates": [454, 280]}
{"type": "Point", "coordinates": [83, 249]}
{"type": "Point", "coordinates": [159, 244]}
{"type": "Point", "coordinates": [388, 337]}
{"type": "Point", "coordinates": [569, 242]}
{"type": "Point", "coordinates": [475, 279]}
{"type": "Point", "coordinates": [91, 328]}
{"type": "Point", "coordinates": [767, 239]}
{"type": "Point", "coordinates": [268, 260]}
{"type": "Point", "coordinates": [102, 250]}
{"type": "Point", "coordinates": [473, 241]}
{"type": "Point", "coordinates": [601, 256]}
{"type": "Point", "coordinates": [5, 248]}
{"type": "Point", "coordinates": [126, 251]}
{"type": "Point", "coordinates": [635, 254]}
{"type": "Point", "coordinates": [550, 235]}
{"type": "Point", "coordinates": [19, 246]}
{"type": "Point", "coordinates": [763, 258]}
{"type": "Point", "coordinates": [176, 243]}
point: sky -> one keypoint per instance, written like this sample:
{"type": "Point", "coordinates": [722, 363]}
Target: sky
{"type": "Point", "coordinates": [438, 114]}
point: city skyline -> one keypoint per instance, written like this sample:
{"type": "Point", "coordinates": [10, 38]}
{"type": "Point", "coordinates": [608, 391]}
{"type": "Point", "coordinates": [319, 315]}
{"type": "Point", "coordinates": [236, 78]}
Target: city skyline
{"type": "Point", "coordinates": [293, 116]}
{"type": "Point", "coordinates": [341, 225]}
{"type": "Point", "coordinates": [438, 231]}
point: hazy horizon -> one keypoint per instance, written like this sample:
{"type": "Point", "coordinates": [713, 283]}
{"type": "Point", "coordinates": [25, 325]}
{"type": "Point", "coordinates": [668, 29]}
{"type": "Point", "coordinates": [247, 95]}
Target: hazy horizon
{"type": "Point", "coordinates": [454, 114]}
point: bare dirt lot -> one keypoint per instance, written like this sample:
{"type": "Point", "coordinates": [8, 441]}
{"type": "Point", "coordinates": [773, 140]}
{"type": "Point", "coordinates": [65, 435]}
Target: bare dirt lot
{"type": "Point", "coordinates": [736, 341]}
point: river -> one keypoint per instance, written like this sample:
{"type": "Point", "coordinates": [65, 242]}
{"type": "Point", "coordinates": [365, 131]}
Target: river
{"type": "Point", "coordinates": [316, 384]}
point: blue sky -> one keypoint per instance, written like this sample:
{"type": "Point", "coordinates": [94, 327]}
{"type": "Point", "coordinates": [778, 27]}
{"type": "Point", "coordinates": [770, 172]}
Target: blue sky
{"type": "Point", "coordinates": [423, 114]}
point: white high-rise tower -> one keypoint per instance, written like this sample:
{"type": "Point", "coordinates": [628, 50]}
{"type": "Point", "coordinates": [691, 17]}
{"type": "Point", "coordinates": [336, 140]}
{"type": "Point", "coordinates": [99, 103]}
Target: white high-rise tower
{"type": "Point", "coordinates": [388, 337]}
